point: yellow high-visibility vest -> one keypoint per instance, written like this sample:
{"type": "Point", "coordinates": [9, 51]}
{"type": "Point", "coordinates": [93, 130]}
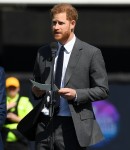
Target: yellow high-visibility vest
{"type": "Point", "coordinates": [24, 106]}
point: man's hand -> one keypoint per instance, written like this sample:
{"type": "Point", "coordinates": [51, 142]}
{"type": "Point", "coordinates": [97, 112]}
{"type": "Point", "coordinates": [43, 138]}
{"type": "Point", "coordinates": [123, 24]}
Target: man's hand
{"type": "Point", "coordinates": [11, 105]}
{"type": "Point", "coordinates": [13, 117]}
{"type": "Point", "coordinates": [67, 93]}
{"type": "Point", "coordinates": [37, 92]}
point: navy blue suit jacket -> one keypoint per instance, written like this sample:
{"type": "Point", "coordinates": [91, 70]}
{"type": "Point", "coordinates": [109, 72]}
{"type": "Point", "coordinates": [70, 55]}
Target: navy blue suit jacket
{"type": "Point", "coordinates": [2, 102]}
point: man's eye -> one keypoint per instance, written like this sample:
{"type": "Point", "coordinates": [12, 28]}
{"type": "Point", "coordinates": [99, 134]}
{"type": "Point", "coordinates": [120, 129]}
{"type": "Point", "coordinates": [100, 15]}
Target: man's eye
{"type": "Point", "coordinates": [59, 23]}
{"type": "Point", "coordinates": [54, 23]}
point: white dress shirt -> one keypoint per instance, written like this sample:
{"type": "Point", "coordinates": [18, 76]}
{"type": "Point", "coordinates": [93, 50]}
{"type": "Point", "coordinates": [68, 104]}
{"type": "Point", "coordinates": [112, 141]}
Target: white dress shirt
{"type": "Point", "coordinates": [64, 107]}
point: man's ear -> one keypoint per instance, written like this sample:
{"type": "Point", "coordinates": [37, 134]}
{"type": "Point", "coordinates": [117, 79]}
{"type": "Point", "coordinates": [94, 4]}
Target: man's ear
{"type": "Point", "coordinates": [73, 23]}
{"type": "Point", "coordinates": [18, 89]}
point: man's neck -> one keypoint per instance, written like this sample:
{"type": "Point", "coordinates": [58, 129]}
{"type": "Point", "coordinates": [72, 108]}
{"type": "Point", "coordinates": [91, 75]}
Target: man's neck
{"type": "Point", "coordinates": [69, 39]}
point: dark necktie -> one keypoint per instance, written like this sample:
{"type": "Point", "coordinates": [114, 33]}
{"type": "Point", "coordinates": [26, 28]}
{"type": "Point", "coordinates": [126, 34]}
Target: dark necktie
{"type": "Point", "coordinates": [58, 75]}
{"type": "Point", "coordinates": [59, 66]}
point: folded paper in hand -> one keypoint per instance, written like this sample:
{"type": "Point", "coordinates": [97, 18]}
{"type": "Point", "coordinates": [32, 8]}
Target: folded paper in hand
{"type": "Point", "coordinates": [46, 87]}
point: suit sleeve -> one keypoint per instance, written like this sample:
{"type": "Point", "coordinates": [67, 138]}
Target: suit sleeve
{"type": "Point", "coordinates": [2, 97]}
{"type": "Point", "coordinates": [36, 74]}
{"type": "Point", "coordinates": [36, 71]}
{"type": "Point", "coordinates": [98, 81]}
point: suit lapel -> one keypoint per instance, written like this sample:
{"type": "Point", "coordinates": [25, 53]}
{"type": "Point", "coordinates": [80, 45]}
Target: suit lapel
{"type": "Point", "coordinates": [75, 55]}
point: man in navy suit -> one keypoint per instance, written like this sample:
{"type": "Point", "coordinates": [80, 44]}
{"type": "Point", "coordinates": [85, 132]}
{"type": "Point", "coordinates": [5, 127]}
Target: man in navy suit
{"type": "Point", "coordinates": [81, 77]}
{"type": "Point", "coordinates": [2, 102]}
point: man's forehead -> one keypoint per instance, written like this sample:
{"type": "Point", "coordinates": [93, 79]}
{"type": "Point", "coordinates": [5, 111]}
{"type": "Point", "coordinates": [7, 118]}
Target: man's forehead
{"type": "Point", "coordinates": [59, 15]}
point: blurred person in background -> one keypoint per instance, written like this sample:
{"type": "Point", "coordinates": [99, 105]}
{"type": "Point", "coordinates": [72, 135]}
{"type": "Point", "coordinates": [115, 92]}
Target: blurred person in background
{"type": "Point", "coordinates": [17, 107]}
{"type": "Point", "coordinates": [2, 103]}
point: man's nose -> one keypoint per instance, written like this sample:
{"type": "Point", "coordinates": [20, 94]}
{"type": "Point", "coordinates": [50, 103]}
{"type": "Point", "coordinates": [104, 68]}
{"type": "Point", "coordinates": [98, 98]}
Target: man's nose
{"type": "Point", "coordinates": [56, 26]}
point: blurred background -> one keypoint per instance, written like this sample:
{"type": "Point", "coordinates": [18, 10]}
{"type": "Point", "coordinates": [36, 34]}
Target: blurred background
{"type": "Point", "coordinates": [25, 26]}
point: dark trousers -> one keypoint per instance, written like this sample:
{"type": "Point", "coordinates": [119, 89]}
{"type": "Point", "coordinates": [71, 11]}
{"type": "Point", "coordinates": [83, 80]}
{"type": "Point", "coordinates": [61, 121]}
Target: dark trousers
{"type": "Point", "coordinates": [15, 146]}
{"type": "Point", "coordinates": [63, 134]}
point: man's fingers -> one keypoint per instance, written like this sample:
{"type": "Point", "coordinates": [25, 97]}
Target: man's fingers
{"type": "Point", "coordinates": [37, 91]}
{"type": "Point", "coordinates": [67, 93]}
